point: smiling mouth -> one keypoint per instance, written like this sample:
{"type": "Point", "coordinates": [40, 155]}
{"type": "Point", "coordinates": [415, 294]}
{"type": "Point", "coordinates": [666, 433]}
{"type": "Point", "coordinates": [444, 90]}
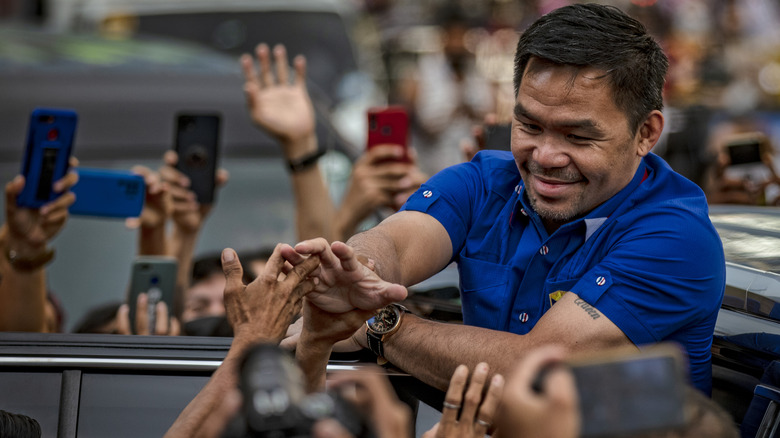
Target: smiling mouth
{"type": "Point", "coordinates": [552, 187]}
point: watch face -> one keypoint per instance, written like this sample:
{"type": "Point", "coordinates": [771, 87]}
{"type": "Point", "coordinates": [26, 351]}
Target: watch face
{"type": "Point", "coordinates": [385, 320]}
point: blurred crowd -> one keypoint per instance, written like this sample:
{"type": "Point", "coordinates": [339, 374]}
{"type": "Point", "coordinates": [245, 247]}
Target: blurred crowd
{"type": "Point", "coordinates": [449, 65]}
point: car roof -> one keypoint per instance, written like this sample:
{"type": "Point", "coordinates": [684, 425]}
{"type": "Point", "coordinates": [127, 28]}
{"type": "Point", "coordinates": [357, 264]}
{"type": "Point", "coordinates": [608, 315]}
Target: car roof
{"type": "Point", "coordinates": [126, 92]}
{"type": "Point", "coordinates": [750, 235]}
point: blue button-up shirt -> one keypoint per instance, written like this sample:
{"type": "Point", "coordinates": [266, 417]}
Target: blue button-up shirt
{"type": "Point", "coordinates": [648, 258]}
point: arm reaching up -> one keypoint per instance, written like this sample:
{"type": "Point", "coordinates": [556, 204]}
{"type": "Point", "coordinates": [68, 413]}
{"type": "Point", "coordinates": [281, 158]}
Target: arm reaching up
{"type": "Point", "coordinates": [284, 109]}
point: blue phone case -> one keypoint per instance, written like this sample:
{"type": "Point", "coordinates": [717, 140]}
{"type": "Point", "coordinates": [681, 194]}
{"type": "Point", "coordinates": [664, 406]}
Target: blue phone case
{"type": "Point", "coordinates": [108, 193]}
{"type": "Point", "coordinates": [49, 145]}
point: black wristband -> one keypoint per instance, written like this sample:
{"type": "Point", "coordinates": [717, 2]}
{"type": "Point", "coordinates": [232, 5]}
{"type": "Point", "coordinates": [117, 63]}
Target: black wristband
{"type": "Point", "coordinates": [305, 162]}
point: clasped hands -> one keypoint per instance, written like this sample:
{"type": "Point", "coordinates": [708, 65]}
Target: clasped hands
{"type": "Point", "coordinates": [345, 289]}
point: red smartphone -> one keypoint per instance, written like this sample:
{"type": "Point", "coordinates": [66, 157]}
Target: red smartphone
{"type": "Point", "coordinates": [389, 125]}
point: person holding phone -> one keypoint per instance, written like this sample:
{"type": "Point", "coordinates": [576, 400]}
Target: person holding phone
{"type": "Point", "coordinates": [578, 236]}
{"type": "Point", "coordinates": [24, 239]}
{"type": "Point", "coordinates": [281, 106]}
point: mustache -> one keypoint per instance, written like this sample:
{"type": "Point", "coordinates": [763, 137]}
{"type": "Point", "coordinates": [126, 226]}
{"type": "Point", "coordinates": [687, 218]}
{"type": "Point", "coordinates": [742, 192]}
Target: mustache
{"type": "Point", "coordinates": [559, 174]}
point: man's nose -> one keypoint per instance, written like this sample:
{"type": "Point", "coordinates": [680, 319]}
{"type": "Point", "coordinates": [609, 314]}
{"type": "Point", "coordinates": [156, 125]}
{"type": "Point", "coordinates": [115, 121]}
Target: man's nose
{"type": "Point", "coordinates": [550, 152]}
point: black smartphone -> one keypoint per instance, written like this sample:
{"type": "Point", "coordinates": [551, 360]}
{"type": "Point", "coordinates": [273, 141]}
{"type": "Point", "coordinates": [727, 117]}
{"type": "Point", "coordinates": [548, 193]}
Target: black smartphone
{"type": "Point", "coordinates": [197, 144]}
{"type": "Point", "coordinates": [498, 136]}
{"type": "Point", "coordinates": [156, 277]}
{"type": "Point", "coordinates": [50, 137]}
{"type": "Point", "coordinates": [631, 392]}
{"type": "Point", "coordinates": [747, 151]}
{"type": "Point", "coordinates": [108, 193]}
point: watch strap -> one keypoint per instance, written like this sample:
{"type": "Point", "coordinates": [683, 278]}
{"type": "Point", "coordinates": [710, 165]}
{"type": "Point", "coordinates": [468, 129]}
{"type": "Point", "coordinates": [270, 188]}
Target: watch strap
{"type": "Point", "coordinates": [305, 162]}
{"type": "Point", "coordinates": [375, 343]}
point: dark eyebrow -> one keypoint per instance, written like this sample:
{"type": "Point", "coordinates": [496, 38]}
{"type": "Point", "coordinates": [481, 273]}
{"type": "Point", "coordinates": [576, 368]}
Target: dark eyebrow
{"type": "Point", "coordinates": [586, 124]}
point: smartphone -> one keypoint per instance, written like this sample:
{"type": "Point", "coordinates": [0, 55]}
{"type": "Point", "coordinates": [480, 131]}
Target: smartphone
{"type": "Point", "coordinates": [746, 151]}
{"type": "Point", "coordinates": [108, 193]}
{"type": "Point", "coordinates": [197, 144]}
{"type": "Point", "coordinates": [631, 392]}
{"type": "Point", "coordinates": [49, 145]}
{"type": "Point", "coordinates": [498, 136]}
{"type": "Point", "coordinates": [389, 125]}
{"type": "Point", "coordinates": [155, 276]}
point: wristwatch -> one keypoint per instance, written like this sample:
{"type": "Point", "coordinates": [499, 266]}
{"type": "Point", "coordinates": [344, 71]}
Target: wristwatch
{"type": "Point", "coordinates": [380, 326]}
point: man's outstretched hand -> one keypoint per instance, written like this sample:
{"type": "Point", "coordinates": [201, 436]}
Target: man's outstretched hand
{"type": "Point", "coordinates": [262, 310]}
{"type": "Point", "coordinates": [343, 283]}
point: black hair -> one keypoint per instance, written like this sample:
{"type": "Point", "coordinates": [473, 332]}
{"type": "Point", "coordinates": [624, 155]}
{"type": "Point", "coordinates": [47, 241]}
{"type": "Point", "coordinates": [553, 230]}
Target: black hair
{"type": "Point", "coordinates": [604, 37]}
{"type": "Point", "coordinates": [97, 318]}
{"type": "Point", "coordinates": [18, 426]}
{"type": "Point", "coordinates": [209, 264]}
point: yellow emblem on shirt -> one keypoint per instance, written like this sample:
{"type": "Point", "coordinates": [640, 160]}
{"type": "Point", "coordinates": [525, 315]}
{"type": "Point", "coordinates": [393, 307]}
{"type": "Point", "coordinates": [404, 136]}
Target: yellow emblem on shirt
{"type": "Point", "coordinates": [555, 296]}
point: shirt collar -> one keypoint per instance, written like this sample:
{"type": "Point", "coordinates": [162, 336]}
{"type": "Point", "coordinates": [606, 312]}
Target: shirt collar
{"type": "Point", "coordinates": [592, 220]}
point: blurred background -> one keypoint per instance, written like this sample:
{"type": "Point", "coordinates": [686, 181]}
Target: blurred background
{"type": "Point", "coordinates": [128, 66]}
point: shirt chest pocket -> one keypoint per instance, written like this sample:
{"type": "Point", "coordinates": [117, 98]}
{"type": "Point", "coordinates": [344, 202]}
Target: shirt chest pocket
{"type": "Point", "coordinates": [484, 295]}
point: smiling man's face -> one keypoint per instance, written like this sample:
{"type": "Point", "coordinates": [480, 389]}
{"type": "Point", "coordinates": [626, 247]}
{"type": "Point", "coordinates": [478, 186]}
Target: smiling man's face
{"type": "Point", "coordinates": [572, 144]}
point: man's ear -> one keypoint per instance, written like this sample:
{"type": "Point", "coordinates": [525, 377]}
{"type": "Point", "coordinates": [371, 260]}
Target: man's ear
{"type": "Point", "coordinates": [649, 132]}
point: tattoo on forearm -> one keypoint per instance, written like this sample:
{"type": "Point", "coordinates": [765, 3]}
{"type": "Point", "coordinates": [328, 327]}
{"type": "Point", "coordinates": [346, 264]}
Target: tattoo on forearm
{"type": "Point", "coordinates": [587, 308]}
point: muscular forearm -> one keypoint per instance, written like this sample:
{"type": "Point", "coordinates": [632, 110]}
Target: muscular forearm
{"type": "Point", "coordinates": [378, 246]}
{"type": "Point", "coordinates": [430, 351]}
{"type": "Point", "coordinates": [407, 247]}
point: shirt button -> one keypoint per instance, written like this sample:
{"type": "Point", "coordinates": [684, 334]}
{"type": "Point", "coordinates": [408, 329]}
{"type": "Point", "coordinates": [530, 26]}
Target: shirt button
{"type": "Point", "coordinates": [427, 194]}
{"type": "Point", "coordinates": [522, 211]}
{"type": "Point", "coordinates": [544, 250]}
{"type": "Point", "coordinates": [601, 281]}
{"type": "Point", "coordinates": [523, 317]}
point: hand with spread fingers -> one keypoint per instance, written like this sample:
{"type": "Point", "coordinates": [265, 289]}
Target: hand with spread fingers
{"type": "Point", "coordinates": [469, 414]}
{"type": "Point", "coordinates": [343, 282]}
{"type": "Point", "coordinates": [164, 325]}
{"type": "Point", "coordinates": [262, 310]}
{"type": "Point", "coordinates": [276, 104]}
{"type": "Point", "coordinates": [551, 412]}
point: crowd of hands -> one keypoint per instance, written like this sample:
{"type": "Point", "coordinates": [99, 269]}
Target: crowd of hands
{"type": "Point", "coordinates": [314, 279]}
{"type": "Point", "coordinates": [320, 283]}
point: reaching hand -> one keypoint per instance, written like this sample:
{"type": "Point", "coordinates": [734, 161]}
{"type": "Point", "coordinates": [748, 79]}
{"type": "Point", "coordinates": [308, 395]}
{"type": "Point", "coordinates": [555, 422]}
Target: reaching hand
{"type": "Point", "coordinates": [263, 309]}
{"type": "Point", "coordinates": [281, 107]}
{"type": "Point", "coordinates": [188, 215]}
{"type": "Point", "coordinates": [343, 282]}
{"type": "Point", "coordinates": [30, 229]}
{"type": "Point", "coordinates": [477, 413]}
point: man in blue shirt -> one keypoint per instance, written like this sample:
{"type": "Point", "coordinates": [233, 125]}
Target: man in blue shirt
{"type": "Point", "coordinates": [579, 237]}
